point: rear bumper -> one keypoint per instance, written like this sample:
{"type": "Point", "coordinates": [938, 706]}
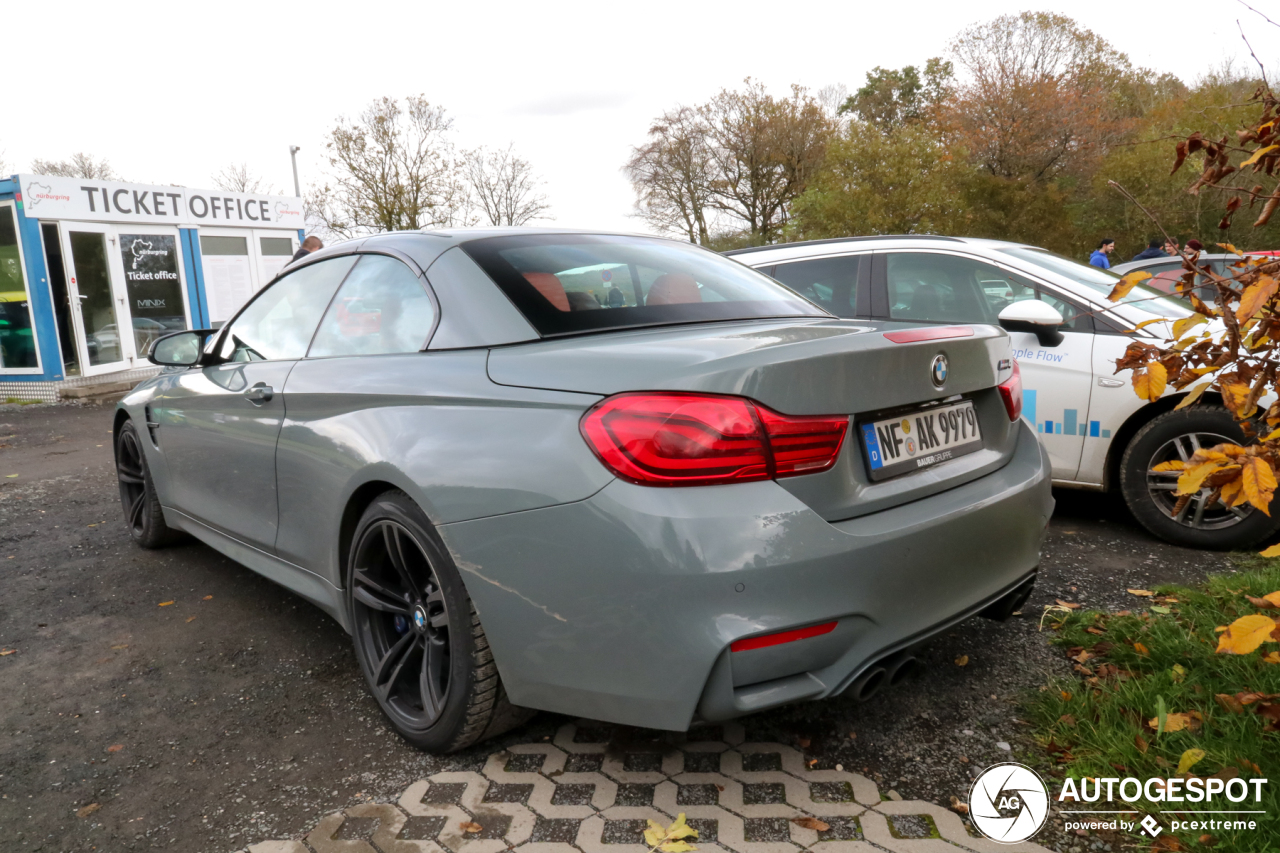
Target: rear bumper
{"type": "Point", "coordinates": [622, 607]}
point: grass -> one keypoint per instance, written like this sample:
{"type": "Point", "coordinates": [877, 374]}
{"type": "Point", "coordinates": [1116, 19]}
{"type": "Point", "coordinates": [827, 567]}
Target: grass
{"type": "Point", "coordinates": [1095, 724]}
{"type": "Point", "coordinates": [19, 401]}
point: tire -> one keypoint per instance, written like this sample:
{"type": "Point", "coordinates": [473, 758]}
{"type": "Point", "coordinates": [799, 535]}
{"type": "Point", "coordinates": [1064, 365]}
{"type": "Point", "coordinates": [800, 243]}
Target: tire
{"type": "Point", "coordinates": [1175, 435]}
{"type": "Point", "coordinates": [142, 512]}
{"type": "Point", "coordinates": [417, 635]}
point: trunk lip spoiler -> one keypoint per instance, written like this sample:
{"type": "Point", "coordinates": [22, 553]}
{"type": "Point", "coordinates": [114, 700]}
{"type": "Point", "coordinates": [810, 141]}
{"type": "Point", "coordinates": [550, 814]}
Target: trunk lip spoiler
{"type": "Point", "coordinates": [929, 333]}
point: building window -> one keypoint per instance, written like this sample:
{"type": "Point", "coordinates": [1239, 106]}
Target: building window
{"type": "Point", "coordinates": [17, 339]}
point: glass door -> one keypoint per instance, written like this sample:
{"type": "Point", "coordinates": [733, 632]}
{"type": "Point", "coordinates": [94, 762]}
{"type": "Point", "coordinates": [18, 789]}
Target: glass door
{"type": "Point", "coordinates": [153, 281]}
{"type": "Point", "coordinates": [98, 298]}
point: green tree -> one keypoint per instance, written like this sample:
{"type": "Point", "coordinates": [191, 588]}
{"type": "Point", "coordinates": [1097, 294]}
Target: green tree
{"type": "Point", "coordinates": [1215, 105]}
{"type": "Point", "coordinates": [873, 181]}
{"type": "Point", "coordinates": [894, 97]}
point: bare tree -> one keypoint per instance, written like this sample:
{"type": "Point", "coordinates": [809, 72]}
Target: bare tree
{"type": "Point", "coordinates": [672, 175]}
{"type": "Point", "coordinates": [1042, 96]}
{"type": "Point", "coordinates": [80, 165]}
{"type": "Point", "coordinates": [764, 150]}
{"type": "Point", "coordinates": [505, 188]}
{"type": "Point", "coordinates": [392, 169]}
{"type": "Point", "coordinates": [237, 178]}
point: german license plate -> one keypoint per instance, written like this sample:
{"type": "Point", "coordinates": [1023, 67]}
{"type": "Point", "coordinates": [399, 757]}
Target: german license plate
{"type": "Point", "coordinates": [920, 439]}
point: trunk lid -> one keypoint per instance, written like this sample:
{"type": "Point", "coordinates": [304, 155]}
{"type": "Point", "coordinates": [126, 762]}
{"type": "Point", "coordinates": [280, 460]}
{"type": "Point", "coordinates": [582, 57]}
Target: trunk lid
{"type": "Point", "coordinates": [796, 367]}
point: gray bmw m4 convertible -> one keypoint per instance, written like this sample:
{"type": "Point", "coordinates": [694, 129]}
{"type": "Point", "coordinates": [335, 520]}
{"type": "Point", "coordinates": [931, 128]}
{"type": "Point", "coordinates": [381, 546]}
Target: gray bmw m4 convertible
{"type": "Point", "coordinates": [613, 476]}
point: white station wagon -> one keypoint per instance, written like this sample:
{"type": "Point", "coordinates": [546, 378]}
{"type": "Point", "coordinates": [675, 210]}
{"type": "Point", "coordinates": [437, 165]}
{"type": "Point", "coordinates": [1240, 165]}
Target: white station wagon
{"type": "Point", "coordinates": [1099, 434]}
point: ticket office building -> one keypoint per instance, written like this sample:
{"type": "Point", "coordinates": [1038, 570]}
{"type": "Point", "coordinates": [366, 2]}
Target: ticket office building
{"type": "Point", "coordinates": [91, 272]}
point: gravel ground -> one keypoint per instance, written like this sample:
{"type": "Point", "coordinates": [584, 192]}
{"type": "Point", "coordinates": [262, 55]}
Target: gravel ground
{"type": "Point", "coordinates": [237, 713]}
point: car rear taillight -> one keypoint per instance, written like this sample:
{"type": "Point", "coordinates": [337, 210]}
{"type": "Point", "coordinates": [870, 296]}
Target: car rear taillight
{"type": "Point", "coordinates": [1011, 393]}
{"type": "Point", "coordinates": [704, 439]}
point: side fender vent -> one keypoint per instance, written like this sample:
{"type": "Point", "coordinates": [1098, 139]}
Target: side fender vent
{"type": "Point", "coordinates": [153, 428]}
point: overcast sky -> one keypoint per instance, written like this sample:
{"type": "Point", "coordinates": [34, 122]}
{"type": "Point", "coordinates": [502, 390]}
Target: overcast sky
{"type": "Point", "coordinates": [172, 92]}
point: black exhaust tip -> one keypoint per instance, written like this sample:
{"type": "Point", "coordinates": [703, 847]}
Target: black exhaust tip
{"type": "Point", "coordinates": [1003, 608]}
{"type": "Point", "coordinates": [902, 669]}
{"type": "Point", "coordinates": [868, 684]}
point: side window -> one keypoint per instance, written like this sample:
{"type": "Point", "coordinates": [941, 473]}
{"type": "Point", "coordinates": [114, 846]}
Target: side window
{"type": "Point", "coordinates": [949, 289]}
{"type": "Point", "coordinates": [279, 323]}
{"type": "Point", "coordinates": [381, 308]}
{"type": "Point", "coordinates": [1073, 319]}
{"type": "Point", "coordinates": [830, 282]}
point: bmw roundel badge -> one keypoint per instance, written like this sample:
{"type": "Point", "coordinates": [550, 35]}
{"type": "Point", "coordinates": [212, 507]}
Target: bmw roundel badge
{"type": "Point", "coordinates": [939, 370]}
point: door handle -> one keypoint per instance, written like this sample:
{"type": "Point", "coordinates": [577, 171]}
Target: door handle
{"type": "Point", "coordinates": [260, 393]}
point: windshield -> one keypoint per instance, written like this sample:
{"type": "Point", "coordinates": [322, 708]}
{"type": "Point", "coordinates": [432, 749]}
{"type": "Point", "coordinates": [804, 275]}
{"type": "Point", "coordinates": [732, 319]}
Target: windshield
{"type": "Point", "coordinates": [566, 283]}
{"type": "Point", "coordinates": [1103, 281]}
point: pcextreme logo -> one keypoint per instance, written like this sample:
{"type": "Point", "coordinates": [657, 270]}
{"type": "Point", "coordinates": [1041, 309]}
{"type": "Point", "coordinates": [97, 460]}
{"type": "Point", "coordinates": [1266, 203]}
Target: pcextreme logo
{"type": "Point", "coordinates": [1009, 803]}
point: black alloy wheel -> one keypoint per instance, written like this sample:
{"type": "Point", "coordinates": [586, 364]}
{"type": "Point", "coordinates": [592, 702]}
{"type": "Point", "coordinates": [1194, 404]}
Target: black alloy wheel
{"type": "Point", "coordinates": [417, 636]}
{"type": "Point", "coordinates": [404, 620]}
{"type": "Point", "coordinates": [142, 512]}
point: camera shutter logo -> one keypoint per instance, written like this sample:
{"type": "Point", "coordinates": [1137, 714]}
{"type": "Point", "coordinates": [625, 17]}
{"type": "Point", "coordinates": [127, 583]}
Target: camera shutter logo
{"type": "Point", "coordinates": [1009, 803]}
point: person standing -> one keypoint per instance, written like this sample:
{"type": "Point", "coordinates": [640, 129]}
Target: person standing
{"type": "Point", "coordinates": [1171, 247]}
{"type": "Point", "coordinates": [309, 245]}
{"type": "Point", "coordinates": [1153, 250]}
{"type": "Point", "coordinates": [1099, 256]}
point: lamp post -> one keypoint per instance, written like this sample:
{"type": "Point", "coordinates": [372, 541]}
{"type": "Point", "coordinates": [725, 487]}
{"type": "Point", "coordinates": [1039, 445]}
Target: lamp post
{"type": "Point", "coordinates": [293, 155]}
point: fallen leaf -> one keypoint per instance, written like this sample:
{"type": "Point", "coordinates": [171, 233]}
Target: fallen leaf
{"type": "Point", "coordinates": [1082, 657]}
{"type": "Point", "coordinates": [803, 742]}
{"type": "Point", "coordinates": [1144, 592]}
{"type": "Point", "coordinates": [10, 476]}
{"type": "Point", "coordinates": [4, 652]}
{"type": "Point", "coordinates": [1229, 703]}
{"type": "Point", "coordinates": [963, 660]}
{"type": "Point", "coordinates": [959, 807]}
{"type": "Point", "coordinates": [121, 646]}
{"type": "Point", "coordinates": [1208, 840]}
{"type": "Point", "coordinates": [1270, 601]}
{"type": "Point", "coordinates": [1248, 698]}
{"type": "Point", "coordinates": [1067, 604]}
{"type": "Point", "coordinates": [1140, 743]}
{"type": "Point", "coordinates": [1179, 673]}
{"type": "Point", "coordinates": [1177, 721]}
{"type": "Point", "coordinates": [1067, 720]}
{"type": "Point", "coordinates": [1273, 551]}
{"type": "Point", "coordinates": [468, 826]}
{"type": "Point", "coordinates": [85, 811]}
{"type": "Point", "coordinates": [1249, 765]}
{"type": "Point", "coordinates": [1066, 697]}
{"type": "Point", "coordinates": [1245, 634]}
{"type": "Point", "coordinates": [206, 598]}
{"type": "Point", "coordinates": [115, 747]}
{"type": "Point", "coordinates": [191, 618]}
{"type": "Point", "coordinates": [1189, 759]}
{"type": "Point", "coordinates": [1273, 657]}
{"type": "Point", "coordinates": [1156, 608]}
{"type": "Point", "coordinates": [811, 823]}
{"type": "Point", "coordinates": [165, 603]}
{"type": "Point", "coordinates": [1141, 649]}
{"type": "Point", "coordinates": [668, 839]}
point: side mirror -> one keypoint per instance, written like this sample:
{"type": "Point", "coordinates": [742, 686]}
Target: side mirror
{"type": "Point", "coordinates": [179, 349]}
{"type": "Point", "coordinates": [1031, 315]}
